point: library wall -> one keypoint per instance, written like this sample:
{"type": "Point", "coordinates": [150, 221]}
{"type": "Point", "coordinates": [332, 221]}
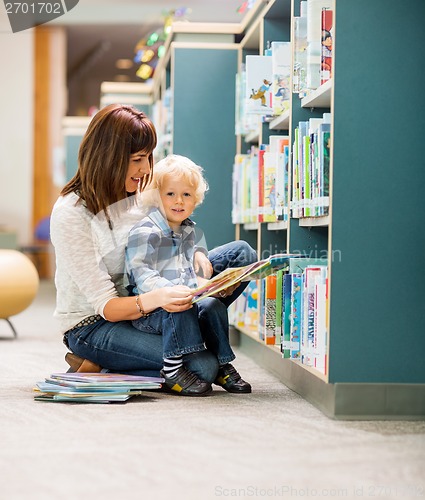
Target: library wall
{"type": "Point", "coordinates": [16, 130]}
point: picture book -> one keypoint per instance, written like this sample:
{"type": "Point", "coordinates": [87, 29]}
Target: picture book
{"type": "Point", "coordinates": [279, 305]}
{"type": "Point", "coordinates": [296, 315]}
{"type": "Point", "coordinates": [326, 54]}
{"type": "Point", "coordinates": [281, 65]}
{"type": "Point", "coordinates": [235, 275]}
{"type": "Point", "coordinates": [270, 309]}
{"type": "Point", "coordinates": [259, 79]}
{"type": "Point", "coordinates": [93, 387]}
{"type": "Point", "coordinates": [300, 52]}
{"type": "Point", "coordinates": [286, 316]}
{"type": "Point", "coordinates": [314, 37]}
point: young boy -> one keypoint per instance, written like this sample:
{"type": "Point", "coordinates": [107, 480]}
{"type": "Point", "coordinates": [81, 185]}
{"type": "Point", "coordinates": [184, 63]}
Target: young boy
{"type": "Point", "coordinates": [160, 253]}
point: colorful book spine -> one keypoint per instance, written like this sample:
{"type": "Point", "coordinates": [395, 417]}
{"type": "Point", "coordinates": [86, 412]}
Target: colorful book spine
{"type": "Point", "coordinates": [296, 315]}
{"type": "Point", "coordinates": [321, 327]}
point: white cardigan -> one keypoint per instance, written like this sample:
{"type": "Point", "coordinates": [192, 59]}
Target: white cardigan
{"type": "Point", "coordinates": [89, 257]}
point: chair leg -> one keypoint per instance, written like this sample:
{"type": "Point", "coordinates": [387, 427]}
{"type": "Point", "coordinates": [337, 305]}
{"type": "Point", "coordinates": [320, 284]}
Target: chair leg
{"type": "Point", "coordinates": [15, 333]}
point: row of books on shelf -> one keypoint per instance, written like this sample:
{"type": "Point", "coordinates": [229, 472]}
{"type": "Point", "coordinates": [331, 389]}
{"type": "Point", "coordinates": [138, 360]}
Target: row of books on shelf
{"type": "Point", "coordinates": [310, 168]}
{"type": "Point", "coordinates": [261, 191]}
{"type": "Point", "coordinates": [263, 84]}
{"type": "Point", "coordinates": [260, 183]}
{"type": "Point", "coordinates": [289, 309]}
{"type": "Point", "coordinates": [313, 41]}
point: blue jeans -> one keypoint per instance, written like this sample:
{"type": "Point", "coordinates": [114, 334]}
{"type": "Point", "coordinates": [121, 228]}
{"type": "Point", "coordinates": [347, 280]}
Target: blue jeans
{"type": "Point", "coordinates": [205, 324]}
{"type": "Point", "coordinates": [120, 347]}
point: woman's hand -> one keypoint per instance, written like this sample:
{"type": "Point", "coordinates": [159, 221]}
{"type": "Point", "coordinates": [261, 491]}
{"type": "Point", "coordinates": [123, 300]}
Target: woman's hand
{"type": "Point", "coordinates": [176, 298]}
{"type": "Point", "coordinates": [202, 265]}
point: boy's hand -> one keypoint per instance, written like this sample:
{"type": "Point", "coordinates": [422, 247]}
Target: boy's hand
{"type": "Point", "coordinates": [202, 265]}
{"type": "Point", "coordinates": [201, 281]}
{"type": "Point", "coordinates": [176, 298]}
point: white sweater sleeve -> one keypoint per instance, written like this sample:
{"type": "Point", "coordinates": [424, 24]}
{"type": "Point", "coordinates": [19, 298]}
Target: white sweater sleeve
{"type": "Point", "coordinates": [89, 260]}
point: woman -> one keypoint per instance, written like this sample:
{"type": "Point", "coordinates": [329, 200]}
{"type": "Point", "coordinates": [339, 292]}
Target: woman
{"type": "Point", "coordinates": [89, 228]}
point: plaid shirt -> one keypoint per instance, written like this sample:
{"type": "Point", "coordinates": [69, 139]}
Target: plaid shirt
{"type": "Point", "coordinates": [156, 256]}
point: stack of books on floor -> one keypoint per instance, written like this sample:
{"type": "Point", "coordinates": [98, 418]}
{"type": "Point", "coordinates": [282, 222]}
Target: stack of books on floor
{"type": "Point", "coordinates": [93, 387]}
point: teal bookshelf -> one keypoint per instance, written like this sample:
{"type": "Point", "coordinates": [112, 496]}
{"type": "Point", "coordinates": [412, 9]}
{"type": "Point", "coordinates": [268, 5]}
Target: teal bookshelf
{"type": "Point", "coordinates": [373, 236]}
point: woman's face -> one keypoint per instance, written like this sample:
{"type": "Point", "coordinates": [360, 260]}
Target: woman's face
{"type": "Point", "coordinates": [138, 167]}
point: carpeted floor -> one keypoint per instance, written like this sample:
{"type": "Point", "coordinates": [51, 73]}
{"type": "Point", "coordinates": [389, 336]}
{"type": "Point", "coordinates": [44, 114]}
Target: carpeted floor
{"type": "Point", "coordinates": [269, 444]}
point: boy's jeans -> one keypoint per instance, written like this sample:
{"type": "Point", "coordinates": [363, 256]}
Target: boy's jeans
{"type": "Point", "coordinates": [205, 325]}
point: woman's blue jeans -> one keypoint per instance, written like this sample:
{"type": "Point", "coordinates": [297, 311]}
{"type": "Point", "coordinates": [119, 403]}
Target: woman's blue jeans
{"type": "Point", "coordinates": [120, 347]}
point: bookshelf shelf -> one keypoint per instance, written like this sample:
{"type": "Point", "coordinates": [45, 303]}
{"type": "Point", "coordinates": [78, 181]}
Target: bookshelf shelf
{"type": "Point", "coordinates": [251, 226]}
{"type": "Point", "coordinates": [280, 122]}
{"type": "Point", "coordinates": [314, 221]}
{"type": "Point", "coordinates": [319, 98]}
{"type": "Point", "coordinates": [252, 137]}
{"type": "Point", "coordinates": [277, 226]}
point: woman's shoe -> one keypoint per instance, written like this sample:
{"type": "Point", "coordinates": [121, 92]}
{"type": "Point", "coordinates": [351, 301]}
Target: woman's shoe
{"type": "Point", "coordinates": [229, 379]}
{"type": "Point", "coordinates": [186, 383]}
{"type": "Point", "coordinates": [80, 365]}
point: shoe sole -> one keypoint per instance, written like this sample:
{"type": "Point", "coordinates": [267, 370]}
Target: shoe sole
{"type": "Point", "coordinates": [192, 395]}
{"type": "Point", "coordinates": [230, 391]}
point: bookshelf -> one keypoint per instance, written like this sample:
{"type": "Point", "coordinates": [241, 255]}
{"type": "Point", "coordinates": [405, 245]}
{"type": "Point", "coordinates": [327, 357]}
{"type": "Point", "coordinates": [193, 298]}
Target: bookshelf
{"type": "Point", "coordinates": [376, 329]}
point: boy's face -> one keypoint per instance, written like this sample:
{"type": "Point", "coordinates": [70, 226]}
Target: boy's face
{"type": "Point", "coordinates": [178, 199]}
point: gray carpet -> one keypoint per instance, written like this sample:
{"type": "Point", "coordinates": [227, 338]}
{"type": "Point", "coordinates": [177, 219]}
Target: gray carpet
{"type": "Point", "coordinates": [270, 444]}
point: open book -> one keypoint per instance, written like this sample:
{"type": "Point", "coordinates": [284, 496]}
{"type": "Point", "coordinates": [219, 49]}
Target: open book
{"type": "Point", "coordinates": [234, 275]}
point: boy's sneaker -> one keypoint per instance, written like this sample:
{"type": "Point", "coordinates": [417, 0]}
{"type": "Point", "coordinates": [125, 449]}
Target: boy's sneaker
{"type": "Point", "coordinates": [186, 383]}
{"type": "Point", "coordinates": [229, 379]}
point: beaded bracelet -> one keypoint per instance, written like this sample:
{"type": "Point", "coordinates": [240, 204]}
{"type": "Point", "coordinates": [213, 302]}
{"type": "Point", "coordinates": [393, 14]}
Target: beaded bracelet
{"type": "Point", "coordinates": [139, 307]}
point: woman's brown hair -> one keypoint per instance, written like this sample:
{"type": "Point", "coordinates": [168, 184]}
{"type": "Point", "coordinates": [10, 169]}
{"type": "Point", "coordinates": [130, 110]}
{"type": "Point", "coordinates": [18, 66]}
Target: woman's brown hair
{"type": "Point", "coordinates": [114, 134]}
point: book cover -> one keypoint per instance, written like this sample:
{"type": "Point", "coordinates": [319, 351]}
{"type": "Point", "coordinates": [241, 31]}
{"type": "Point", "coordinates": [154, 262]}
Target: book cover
{"type": "Point", "coordinates": [286, 316]}
{"type": "Point", "coordinates": [296, 315]}
{"type": "Point", "coordinates": [324, 138]}
{"type": "Point", "coordinates": [279, 306]}
{"type": "Point", "coordinates": [270, 309]}
{"type": "Point", "coordinates": [251, 313]}
{"type": "Point", "coordinates": [314, 44]}
{"type": "Point", "coordinates": [281, 65]}
{"type": "Point", "coordinates": [259, 79]}
{"type": "Point", "coordinates": [269, 197]}
{"type": "Point", "coordinates": [300, 51]}
{"type": "Point", "coordinates": [308, 337]}
{"type": "Point", "coordinates": [262, 309]}
{"type": "Point", "coordinates": [233, 275]}
{"type": "Point", "coordinates": [260, 185]}
{"type": "Point", "coordinates": [320, 337]}
{"type": "Point", "coordinates": [326, 48]}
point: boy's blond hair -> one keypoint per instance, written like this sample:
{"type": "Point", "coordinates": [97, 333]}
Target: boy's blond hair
{"type": "Point", "coordinates": [180, 167]}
